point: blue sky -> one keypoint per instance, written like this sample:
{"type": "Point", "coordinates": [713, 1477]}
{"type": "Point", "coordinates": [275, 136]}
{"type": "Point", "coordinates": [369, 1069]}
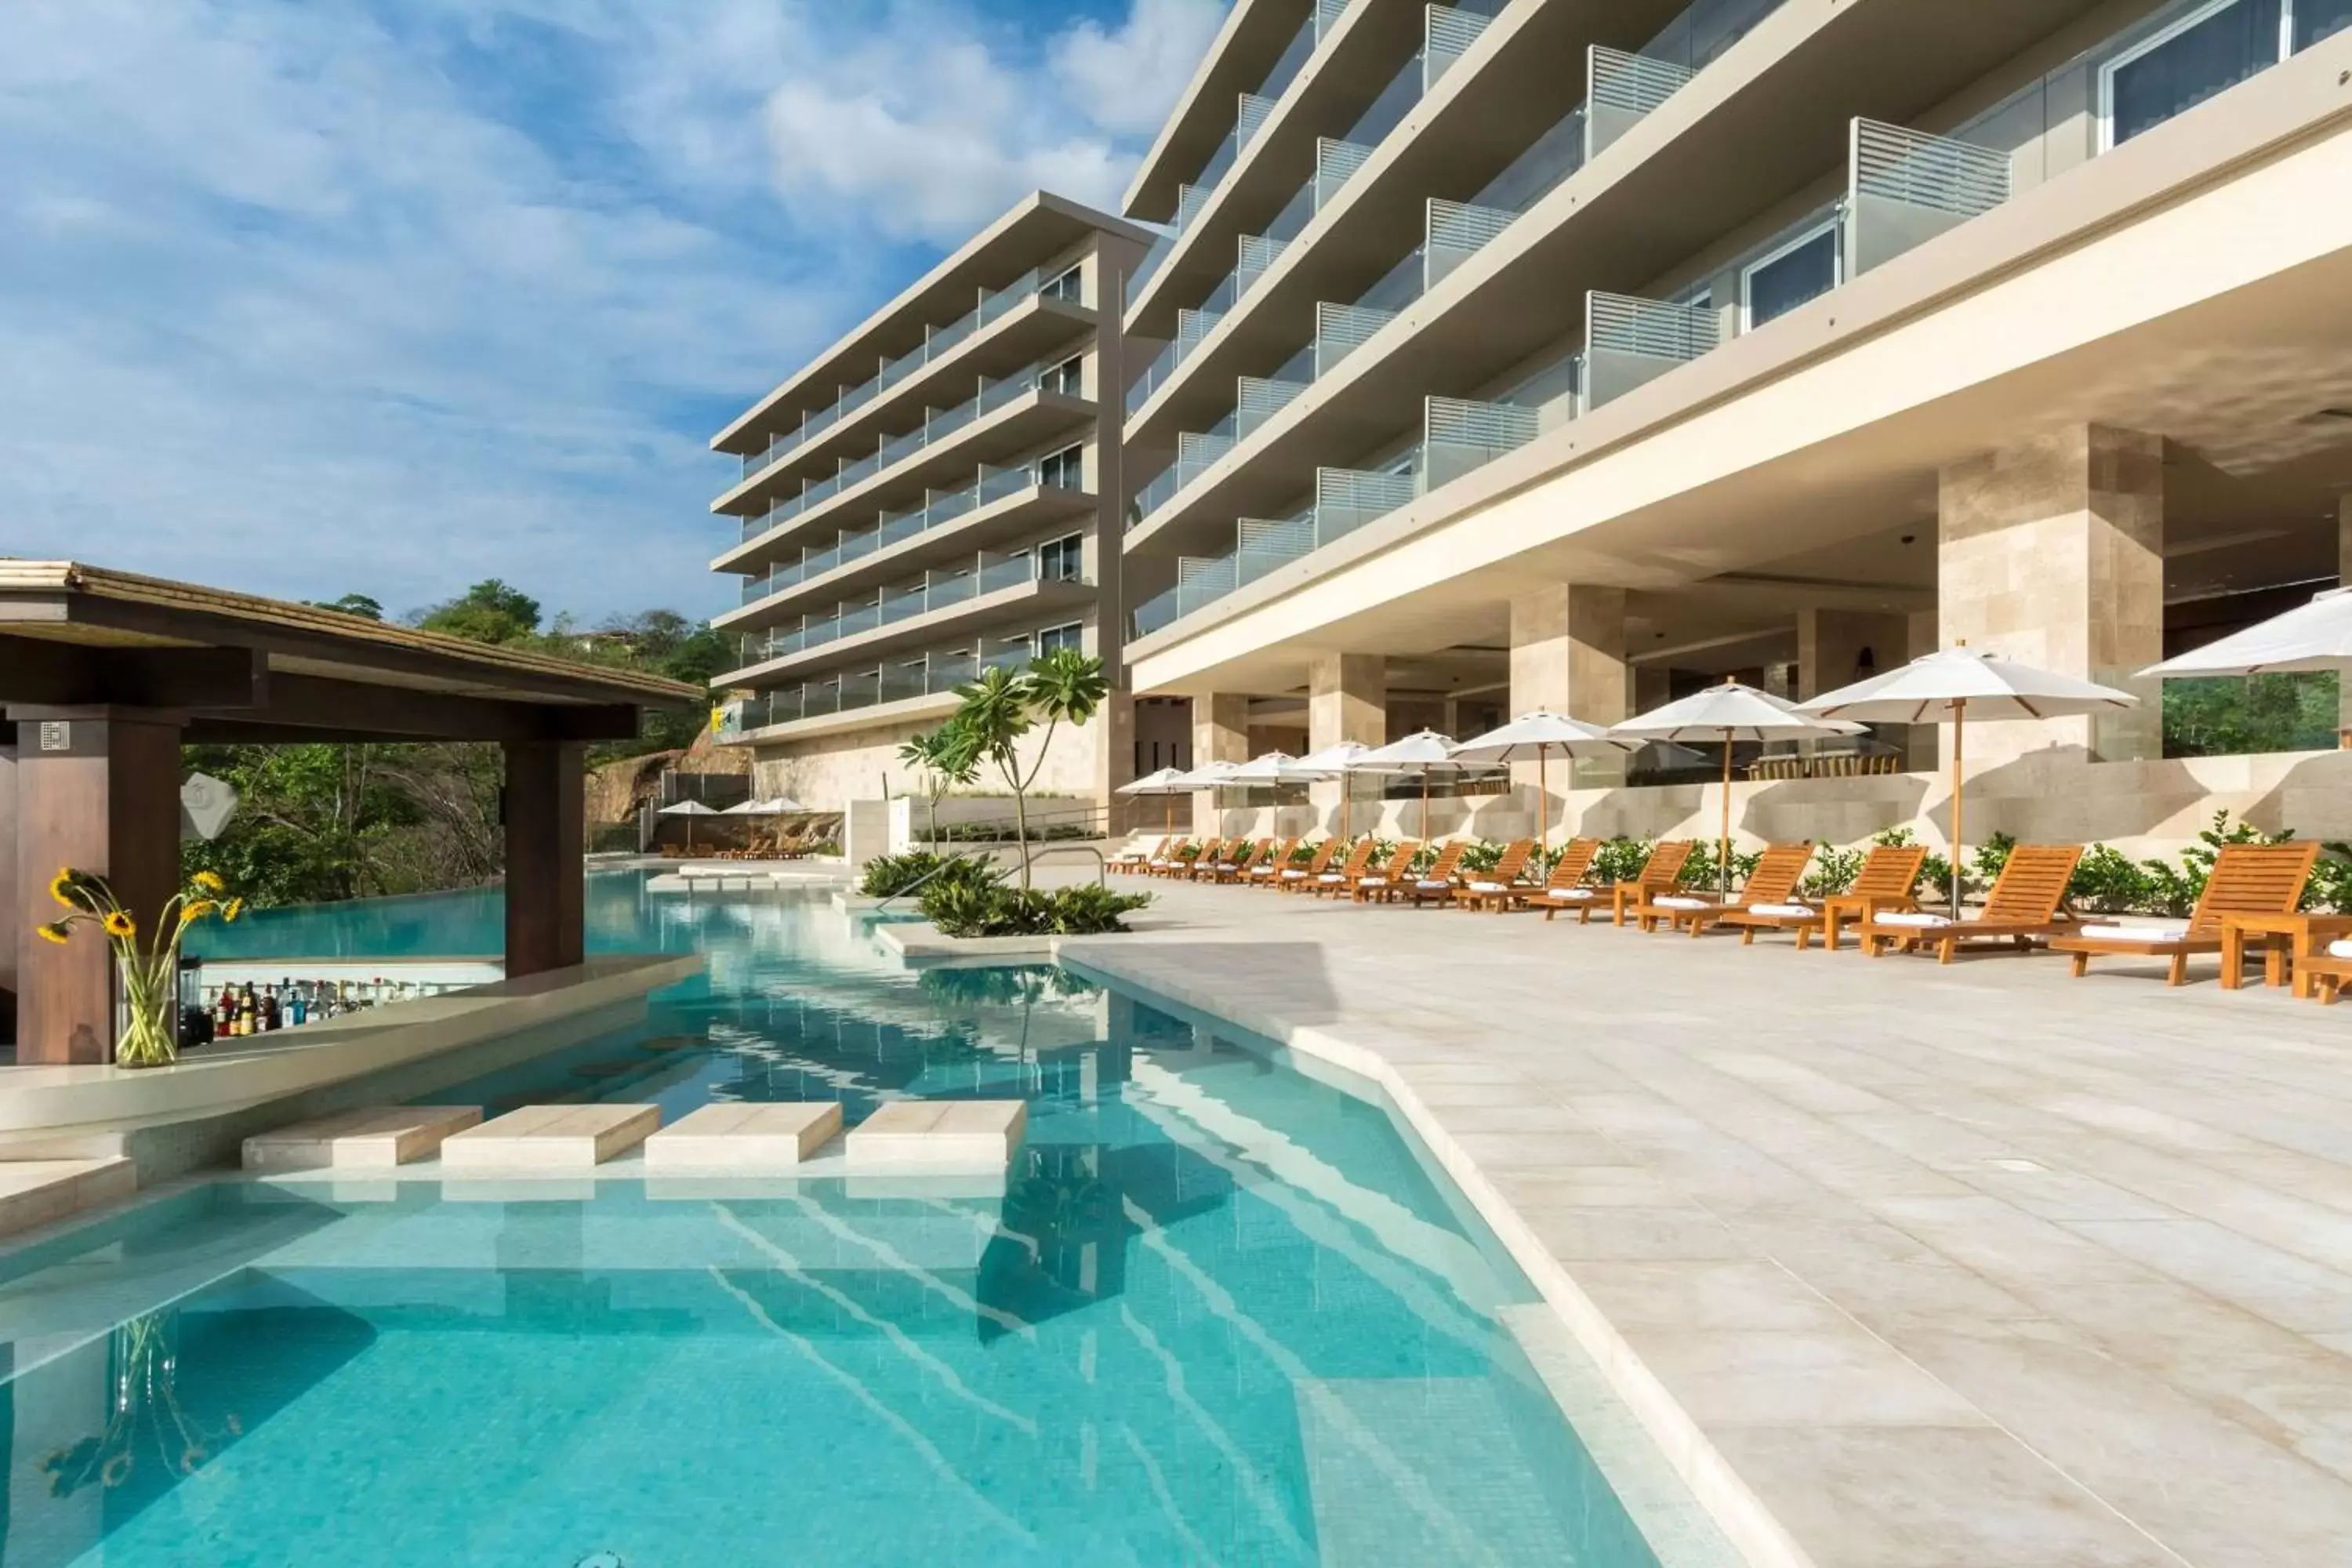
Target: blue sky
{"type": "Point", "coordinates": [318, 297]}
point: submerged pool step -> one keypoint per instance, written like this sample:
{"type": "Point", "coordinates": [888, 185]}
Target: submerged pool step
{"type": "Point", "coordinates": [744, 1137]}
{"type": "Point", "coordinates": [35, 1191]}
{"type": "Point", "coordinates": [551, 1138]}
{"type": "Point", "coordinates": [374, 1137]}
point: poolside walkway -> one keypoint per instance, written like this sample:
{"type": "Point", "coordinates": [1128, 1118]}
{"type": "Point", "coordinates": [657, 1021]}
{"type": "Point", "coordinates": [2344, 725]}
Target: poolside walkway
{"type": "Point", "coordinates": [1981, 1267]}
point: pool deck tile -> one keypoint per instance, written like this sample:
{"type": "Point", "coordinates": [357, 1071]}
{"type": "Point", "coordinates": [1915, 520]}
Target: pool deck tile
{"type": "Point", "coordinates": [741, 1137]}
{"type": "Point", "coordinates": [372, 1138]}
{"type": "Point", "coordinates": [551, 1138]}
{"type": "Point", "coordinates": [1901, 1266]}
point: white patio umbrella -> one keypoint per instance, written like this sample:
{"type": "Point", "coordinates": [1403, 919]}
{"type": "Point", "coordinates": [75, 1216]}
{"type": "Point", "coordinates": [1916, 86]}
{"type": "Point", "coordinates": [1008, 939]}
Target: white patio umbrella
{"type": "Point", "coordinates": [1421, 753]}
{"type": "Point", "coordinates": [1209, 776]}
{"type": "Point", "coordinates": [1167, 782]}
{"type": "Point", "coordinates": [1332, 763]}
{"type": "Point", "coordinates": [1965, 683]}
{"type": "Point", "coordinates": [2316, 636]}
{"type": "Point", "coordinates": [1728, 714]}
{"type": "Point", "coordinates": [690, 809]}
{"type": "Point", "coordinates": [1538, 735]}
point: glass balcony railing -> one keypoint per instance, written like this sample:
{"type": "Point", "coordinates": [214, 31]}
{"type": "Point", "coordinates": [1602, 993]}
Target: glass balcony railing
{"type": "Point", "coordinates": [936, 425]}
{"type": "Point", "coordinates": [938, 343]}
{"type": "Point", "coordinates": [986, 572]}
{"type": "Point", "coordinates": [936, 673]}
{"type": "Point", "coordinates": [940, 508]}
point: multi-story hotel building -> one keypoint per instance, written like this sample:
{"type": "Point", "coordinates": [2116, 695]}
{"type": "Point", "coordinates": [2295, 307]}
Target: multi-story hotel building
{"type": "Point", "coordinates": [936, 493]}
{"type": "Point", "coordinates": [1545, 353]}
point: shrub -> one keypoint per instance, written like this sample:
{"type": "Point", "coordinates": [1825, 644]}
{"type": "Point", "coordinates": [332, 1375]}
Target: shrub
{"type": "Point", "coordinates": [1701, 871]}
{"type": "Point", "coordinates": [964, 905]}
{"type": "Point", "coordinates": [1620, 859]}
{"type": "Point", "coordinates": [2331, 879]}
{"type": "Point", "coordinates": [887, 875]}
{"type": "Point", "coordinates": [1834, 870]}
{"type": "Point", "coordinates": [2110, 880]}
{"type": "Point", "coordinates": [1481, 856]}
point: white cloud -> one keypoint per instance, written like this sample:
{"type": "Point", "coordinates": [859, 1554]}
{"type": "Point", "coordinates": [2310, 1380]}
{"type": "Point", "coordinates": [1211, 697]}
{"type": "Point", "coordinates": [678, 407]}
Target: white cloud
{"type": "Point", "coordinates": [1128, 78]}
{"type": "Point", "coordinates": [310, 298]}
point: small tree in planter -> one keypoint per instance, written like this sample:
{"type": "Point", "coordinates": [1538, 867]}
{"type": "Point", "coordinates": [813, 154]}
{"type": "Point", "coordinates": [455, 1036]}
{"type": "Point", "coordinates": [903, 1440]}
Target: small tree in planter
{"type": "Point", "coordinates": [1000, 708]}
{"type": "Point", "coordinates": [941, 758]}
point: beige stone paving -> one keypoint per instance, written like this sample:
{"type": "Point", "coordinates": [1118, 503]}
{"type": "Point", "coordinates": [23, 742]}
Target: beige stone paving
{"type": "Point", "coordinates": [1980, 1265]}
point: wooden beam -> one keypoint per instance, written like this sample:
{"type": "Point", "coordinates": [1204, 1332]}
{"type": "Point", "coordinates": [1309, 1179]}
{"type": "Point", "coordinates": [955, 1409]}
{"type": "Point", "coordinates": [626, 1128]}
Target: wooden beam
{"type": "Point", "coordinates": [542, 807]}
{"type": "Point", "coordinates": [350, 709]}
{"type": "Point", "coordinates": [44, 672]}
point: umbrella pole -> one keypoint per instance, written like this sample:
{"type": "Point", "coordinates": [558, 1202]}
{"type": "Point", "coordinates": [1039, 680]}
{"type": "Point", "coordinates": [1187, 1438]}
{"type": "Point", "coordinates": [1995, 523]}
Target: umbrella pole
{"type": "Point", "coordinates": [1424, 805]}
{"type": "Point", "coordinates": [1959, 746]}
{"type": "Point", "coordinates": [1543, 801]}
{"type": "Point", "coordinates": [1724, 866]}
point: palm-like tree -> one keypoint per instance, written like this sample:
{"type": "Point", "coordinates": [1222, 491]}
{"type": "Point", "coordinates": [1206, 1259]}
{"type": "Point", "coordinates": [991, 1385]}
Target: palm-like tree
{"type": "Point", "coordinates": [1000, 708]}
{"type": "Point", "coordinates": [944, 757]}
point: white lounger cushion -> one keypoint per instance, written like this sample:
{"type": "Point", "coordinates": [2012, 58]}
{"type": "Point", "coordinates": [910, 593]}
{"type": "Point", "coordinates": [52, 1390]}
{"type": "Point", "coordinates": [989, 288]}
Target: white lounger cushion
{"type": "Point", "coordinates": [1291, 872]}
{"type": "Point", "coordinates": [1334, 877]}
{"type": "Point", "coordinates": [1794, 911]}
{"type": "Point", "coordinates": [1911, 917]}
{"type": "Point", "coordinates": [1371, 881]}
{"type": "Point", "coordinates": [1490, 887]}
{"type": "Point", "coordinates": [2339, 950]}
{"type": "Point", "coordinates": [2135, 934]}
{"type": "Point", "coordinates": [1676, 901]}
{"type": "Point", "coordinates": [1432, 882]}
{"type": "Point", "coordinates": [1570, 895]}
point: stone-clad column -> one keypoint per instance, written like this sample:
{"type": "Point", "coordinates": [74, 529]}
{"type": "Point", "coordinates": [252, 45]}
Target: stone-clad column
{"type": "Point", "coordinates": [1347, 699]}
{"type": "Point", "coordinates": [1220, 735]}
{"type": "Point", "coordinates": [1568, 654]}
{"type": "Point", "coordinates": [2344, 579]}
{"type": "Point", "coordinates": [2052, 552]}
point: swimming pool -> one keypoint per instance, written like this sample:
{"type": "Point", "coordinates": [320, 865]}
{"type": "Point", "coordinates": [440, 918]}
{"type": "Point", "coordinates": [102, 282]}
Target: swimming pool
{"type": "Point", "coordinates": [1222, 1313]}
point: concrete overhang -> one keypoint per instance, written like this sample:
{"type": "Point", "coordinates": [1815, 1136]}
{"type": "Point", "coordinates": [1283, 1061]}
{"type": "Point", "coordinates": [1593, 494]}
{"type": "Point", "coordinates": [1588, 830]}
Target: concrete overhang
{"type": "Point", "coordinates": [1040, 225]}
{"type": "Point", "coordinates": [2195, 284]}
{"type": "Point", "coordinates": [1000, 521]}
{"type": "Point", "coordinates": [1246, 49]}
{"type": "Point", "coordinates": [1764, 120]}
{"type": "Point", "coordinates": [1003, 434]}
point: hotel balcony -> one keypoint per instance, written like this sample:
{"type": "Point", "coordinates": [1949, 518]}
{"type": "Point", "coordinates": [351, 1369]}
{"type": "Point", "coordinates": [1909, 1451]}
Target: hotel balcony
{"type": "Point", "coordinates": [1002, 420]}
{"type": "Point", "coordinates": [905, 690]}
{"type": "Point", "coordinates": [984, 587]}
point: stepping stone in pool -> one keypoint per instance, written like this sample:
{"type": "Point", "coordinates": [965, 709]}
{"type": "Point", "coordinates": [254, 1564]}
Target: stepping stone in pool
{"type": "Point", "coordinates": [551, 1138]}
{"type": "Point", "coordinates": [37, 1192]}
{"type": "Point", "coordinates": [939, 1135]}
{"type": "Point", "coordinates": [375, 1137]}
{"type": "Point", "coordinates": [744, 1137]}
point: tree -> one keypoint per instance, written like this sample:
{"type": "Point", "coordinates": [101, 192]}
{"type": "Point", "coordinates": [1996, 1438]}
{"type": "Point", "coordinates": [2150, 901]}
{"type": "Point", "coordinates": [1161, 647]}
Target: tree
{"type": "Point", "coordinates": [359, 604]}
{"type": "Point", "coordinates": [490, 611]}
{"type": "Point", "coordinates": [943, 758]}
{"type": "Point", "coordinates": [1000, 708]}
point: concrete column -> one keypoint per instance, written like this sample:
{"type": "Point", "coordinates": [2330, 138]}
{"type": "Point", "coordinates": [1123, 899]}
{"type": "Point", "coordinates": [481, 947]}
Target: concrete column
{"type": "Point", "coordinates": [1831, 643]}
{"type": "Point", "coordinates": [1568, 654]}
{"type": "Point", "coordinates": [1921, 642]}
{"type": "Point", "coordinates": [2052, 552]}
{"type": "Point", "coordinates": [1111, 732]}
{"type": "Point", "coordinates": [1220, 735]}
{"type": "Point", "coordinates": [2344, 579]}
{"type": "Point", "coordinates": [546, 842]}
{"type": "Point", "coordinates": [1347, 699]}
{"type": "Point", "coordinates": [11, 912]}
{"type": "Point", "coordinates": [98, 789]}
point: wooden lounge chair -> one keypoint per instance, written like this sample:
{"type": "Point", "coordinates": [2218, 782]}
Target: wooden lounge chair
{"type": "Point", "coordinates": [2322, 975]}
{"type": "Point", "coordinates": [1885, 882]}
{"type": "Point", "coordinates": [1135, 858]}
{"type": "Point", "coordinates": [1565, 888]}
{"type": "Point", "coordinates": [1375, 882]}
{"type": "Point", "coordinates": [1237, 866]}
{"type": "Point", "coordinates": [1173, 863]}
{"type": "Point", "coordinates": [1263, 874]}
{"type": "Point", "coordinates": [1660, 875]}
{"type": "Point", "coordinates": [1359, 861]}
{"type": "Point", "coordinates": [1771, 884]}
{"type": "Point", "coordinates": [1204, 852]}
{"type": "Point", "coordinates": [2246, 880]}
{"type": "Point", "coordinates": [1297, 879]}
{"type": "Point", "coordinates": [2026, 904]}
{"type": "Point", "coordinates": [1436, 884]}
{"type": "Point", "coordinates": [1495, 887]}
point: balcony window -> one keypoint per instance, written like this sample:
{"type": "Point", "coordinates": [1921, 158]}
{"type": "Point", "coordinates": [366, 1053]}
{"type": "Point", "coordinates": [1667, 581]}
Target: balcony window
{"type": "Point", "coordinates": [2212, 49]}
{"type": "Point", "coordinates": [1805, 269]}
{"type": "Point", "coordinates": [1072, 636]}
{"type": "Point", "coordinates": [1064, 469]}
{"type": "Point", "coordinates": [1063, 560]}
{"type": "Point", "coordinates": [1070, 286]}
{"type": "Point", "coordinates": [2317, 19]}
{"type": "Point", "coordinates": [1068, 378]}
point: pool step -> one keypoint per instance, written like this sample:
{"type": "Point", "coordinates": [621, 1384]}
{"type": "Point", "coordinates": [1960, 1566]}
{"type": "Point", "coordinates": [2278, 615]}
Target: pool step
{"type": "Point", "coordinates": [35, 1191]}
{"type": "Point", "coordinates": [744, 1137]}
{"type": "Point", "coordinates": [551, 1138]}
{"type": "Point", "coordinates": [374, 1137]}
{"type": "Point", "coordinates": [937, 1135]}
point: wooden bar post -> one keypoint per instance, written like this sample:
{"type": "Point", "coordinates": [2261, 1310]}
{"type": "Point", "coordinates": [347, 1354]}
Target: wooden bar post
{"type": "Point", "coordinates": [97, 789]}
{"type": "Point", "coordinates": [543, 811]}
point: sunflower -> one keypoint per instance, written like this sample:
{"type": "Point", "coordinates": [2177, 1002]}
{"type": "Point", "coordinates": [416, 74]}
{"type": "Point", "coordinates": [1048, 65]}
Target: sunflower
{"type": "Point", "coordinates": [209, 881]}
{"type": "Point", "coordinates": [235, 907]}
{"type": "Point", "coordinates": [56, 931]}
{"type": "Point", "coordinates": [61, 886]}
{"type": "Point", "coordinates": [119, 924]}
{"type": "Point", "coordinates": [196, 910]}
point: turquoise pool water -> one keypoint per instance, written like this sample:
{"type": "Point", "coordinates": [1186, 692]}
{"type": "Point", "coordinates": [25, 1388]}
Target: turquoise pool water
{"type": "Point", "coordinates": [1220, 1314]}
